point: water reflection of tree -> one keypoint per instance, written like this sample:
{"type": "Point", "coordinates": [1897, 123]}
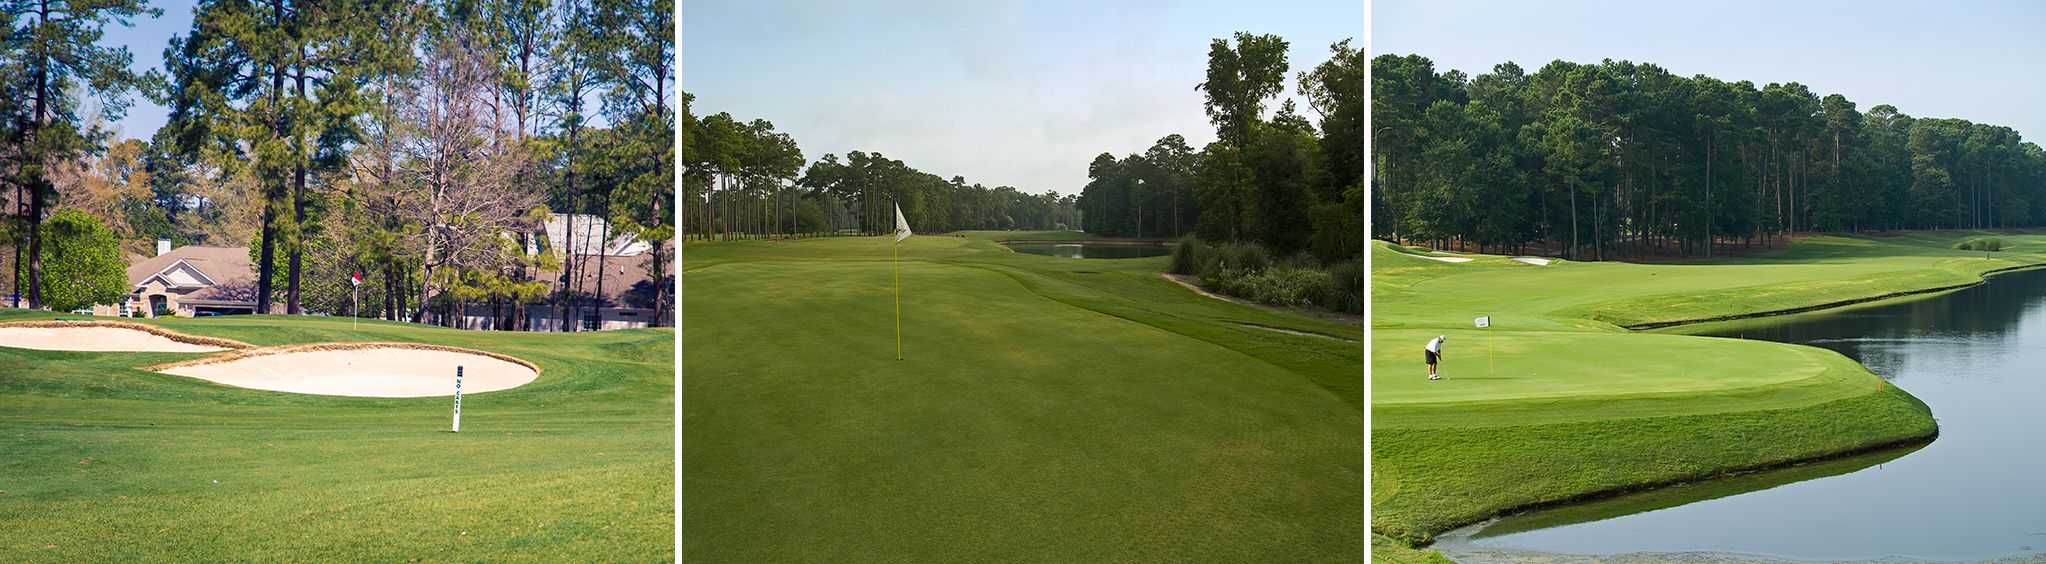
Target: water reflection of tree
{"type": "Point", "coordinates": [1989, 312]}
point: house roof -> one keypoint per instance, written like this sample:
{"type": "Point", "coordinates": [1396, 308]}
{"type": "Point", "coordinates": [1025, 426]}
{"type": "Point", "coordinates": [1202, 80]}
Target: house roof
{"type": "Point", "coordinates": [228, 268]}
{"type": "Point", "coordinates": [588, 233]}
{"type": "Point", "coordinates": [626, 281]}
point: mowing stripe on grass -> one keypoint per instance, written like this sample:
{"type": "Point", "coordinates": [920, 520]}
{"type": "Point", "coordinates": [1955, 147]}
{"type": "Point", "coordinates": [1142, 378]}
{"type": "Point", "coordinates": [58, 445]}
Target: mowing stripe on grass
{"type": "Point", "coordinates": [1044, 409]}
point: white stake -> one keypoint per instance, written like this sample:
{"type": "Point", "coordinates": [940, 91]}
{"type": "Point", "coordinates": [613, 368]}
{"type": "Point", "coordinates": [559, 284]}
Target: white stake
{"type": "Point", "coordinates": [458, 399]}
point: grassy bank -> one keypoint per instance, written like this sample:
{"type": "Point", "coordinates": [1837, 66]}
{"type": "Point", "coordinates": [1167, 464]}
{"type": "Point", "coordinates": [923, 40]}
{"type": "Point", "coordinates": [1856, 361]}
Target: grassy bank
{"type": "Point", "coordinates": [106, 462]}
{"type": "Point", "coordinates": [1046, 409]}
{"type": "Point", "coordinates": [1557, 401]}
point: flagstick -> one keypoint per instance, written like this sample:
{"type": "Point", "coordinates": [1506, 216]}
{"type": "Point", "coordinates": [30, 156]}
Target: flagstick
{"type": "Point", "coordinates": [898, 299]}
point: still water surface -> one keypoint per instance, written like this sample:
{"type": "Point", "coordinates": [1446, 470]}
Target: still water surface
{"type": "Point", "coordinates": [1093, 250]}
{"type": "Point", "coordinates": [1976, 356]}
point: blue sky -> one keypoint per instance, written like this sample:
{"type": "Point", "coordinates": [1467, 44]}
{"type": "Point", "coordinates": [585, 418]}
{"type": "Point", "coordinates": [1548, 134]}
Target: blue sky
{"type": "Point", "coordinates": [146, 41]}
{"type": "Point", "coordinates": [1975, 60]}
{"type": "Point", "coordinates": [1012, 93]}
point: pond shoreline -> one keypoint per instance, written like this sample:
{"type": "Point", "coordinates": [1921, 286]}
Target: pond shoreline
{"type": "Point", "coordinates": [1134, 242]}
{"type": "Point", "coordinates": [1916, 439]}
{"type": "Point", "coordinates": [1925, 439]}
{"type": "Point", "coordinates": [1981, 279]}
{"type": "Point", "coordinates": [1921, 343]}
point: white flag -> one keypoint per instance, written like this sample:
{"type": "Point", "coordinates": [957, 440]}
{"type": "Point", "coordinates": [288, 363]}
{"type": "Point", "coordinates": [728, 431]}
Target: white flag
{"type": "Point", "coordinates": [901, 225]}
{"type": "Point", "coordinates": [1484, 322]}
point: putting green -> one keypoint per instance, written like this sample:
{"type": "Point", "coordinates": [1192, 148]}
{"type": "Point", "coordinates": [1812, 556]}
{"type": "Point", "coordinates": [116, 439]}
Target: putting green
{"type": "Point", "coordinates": [108, 461]}
{"type": "Point", "coordinates": [1569, 403]}
{"type": "Point", "coordinates": [1553, 376]}
{"type": "Point", "coordinates": [1052, 408]}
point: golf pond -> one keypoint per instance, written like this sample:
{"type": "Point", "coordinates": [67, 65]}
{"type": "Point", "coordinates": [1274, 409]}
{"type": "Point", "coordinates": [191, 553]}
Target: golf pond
{"type": "Point", "coordinates": [1092, 249]}
{"type": "Point", "coordinates": [1977, 356]}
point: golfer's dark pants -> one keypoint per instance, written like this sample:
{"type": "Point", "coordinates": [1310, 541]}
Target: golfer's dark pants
{"type": "Point", "coordinates": [1431, 356]}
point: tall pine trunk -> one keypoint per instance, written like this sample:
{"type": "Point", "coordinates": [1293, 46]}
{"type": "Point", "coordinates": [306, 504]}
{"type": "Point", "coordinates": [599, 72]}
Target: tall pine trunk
{"type": "Point", "coordinates": [266, 271]}
{"type": "Point", "coordinates": [597, 301]}
{"type": "Point", "coordinates": [39, 182]}
{"type": "Point", "coordinates": [291, 299]}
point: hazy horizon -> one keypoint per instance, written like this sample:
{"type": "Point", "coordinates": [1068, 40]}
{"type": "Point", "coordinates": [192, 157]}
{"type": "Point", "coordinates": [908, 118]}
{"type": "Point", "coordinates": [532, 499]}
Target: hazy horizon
{"type": "Point", "coordinates": [1021, 94]}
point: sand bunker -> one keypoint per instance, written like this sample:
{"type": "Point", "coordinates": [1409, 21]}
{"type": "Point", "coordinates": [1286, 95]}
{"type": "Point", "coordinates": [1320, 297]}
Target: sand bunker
{"type": "Point", "coordinates": [105, 336]}
{"type": "Point", "coordinates": [1446, 259]}
{"type": "Point", "coordinates": [380, 370]}
{"type": "Point", "coordinates": [1533, 261]}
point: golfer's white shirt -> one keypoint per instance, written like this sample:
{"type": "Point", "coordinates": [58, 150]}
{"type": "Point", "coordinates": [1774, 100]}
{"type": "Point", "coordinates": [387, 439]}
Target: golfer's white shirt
{"type": "Point", "coordinates": [1435, 345]}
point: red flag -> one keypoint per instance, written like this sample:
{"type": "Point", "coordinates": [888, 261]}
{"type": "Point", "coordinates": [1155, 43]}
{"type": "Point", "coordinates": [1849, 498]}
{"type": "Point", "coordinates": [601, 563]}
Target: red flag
{"type": "Point", "coordinates": [355, 279]}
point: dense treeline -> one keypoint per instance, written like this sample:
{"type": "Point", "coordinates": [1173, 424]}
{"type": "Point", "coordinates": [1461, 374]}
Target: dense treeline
{"type": "Point", "coordinates": [745, 180]}
{"type": "Point", "coordinates": [1280, 182]}
{"type": "Point", "coordinates": [56, 84]}
{"type": "Point", "coordinates": [1625, 159]}
{"type": "Point", "coordinates": [1158, 183]}
{"type": "Point", "coordinates": [421, 143]}
{"type": "Point", "coordinates": [1272, 209]}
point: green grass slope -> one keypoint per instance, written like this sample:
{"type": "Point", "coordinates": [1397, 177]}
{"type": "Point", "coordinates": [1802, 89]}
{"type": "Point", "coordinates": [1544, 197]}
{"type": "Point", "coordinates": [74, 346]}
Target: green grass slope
{"type": "Point", "coordinates": [1046, 409]}
{"type": "Point", "coordinates": [1557, 401]}
{"type": "Point", "coordinates": [105, 462]}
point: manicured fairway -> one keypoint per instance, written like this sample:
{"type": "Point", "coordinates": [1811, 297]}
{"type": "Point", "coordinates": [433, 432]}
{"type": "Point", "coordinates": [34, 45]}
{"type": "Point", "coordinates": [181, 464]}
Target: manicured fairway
{"type": "Point", "coordinates": [1047, 409]}
{"type": "Point", "coordinates": [104, 462]}
{"type": "Point", "coordinates": [1579, 405]}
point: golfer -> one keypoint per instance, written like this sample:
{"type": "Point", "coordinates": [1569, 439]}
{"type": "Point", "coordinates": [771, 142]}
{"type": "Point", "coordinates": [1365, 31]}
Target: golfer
{"type": "Point", "coordinates": [1434, 350]}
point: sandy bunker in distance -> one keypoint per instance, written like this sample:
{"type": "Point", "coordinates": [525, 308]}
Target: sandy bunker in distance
{"type": "Point", "coordinates": [374, 371]}
{"type": "Point", "coordinates": [91, 338]}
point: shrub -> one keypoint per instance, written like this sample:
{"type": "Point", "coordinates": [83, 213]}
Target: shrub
{"type": "Point", "coordinates": [1300, 260]}
{"type": "Point", "coordinates": [1190, 256]}
{"type": "Point", "coordinates": [1346, 292]}
{"type": "Point", "coordinates": [1215, 277]}
{"type": "Point", "coordinates": [1246, 270]}
{"type": "Point", "coordinates": [1285, 286]}
{"type": "Point", "coordinates": [82, 262]}
{"type": "Point", "coordinates": [1245, 257]}
{"type": "Point", "coordinates": [1228, 282]}
{"type": "Point", "coordinates": [1979, 244]}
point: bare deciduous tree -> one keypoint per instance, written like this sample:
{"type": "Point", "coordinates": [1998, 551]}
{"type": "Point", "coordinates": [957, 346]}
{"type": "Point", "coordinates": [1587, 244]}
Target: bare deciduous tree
{"type": "Point", "coordinates": [459, 159]}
